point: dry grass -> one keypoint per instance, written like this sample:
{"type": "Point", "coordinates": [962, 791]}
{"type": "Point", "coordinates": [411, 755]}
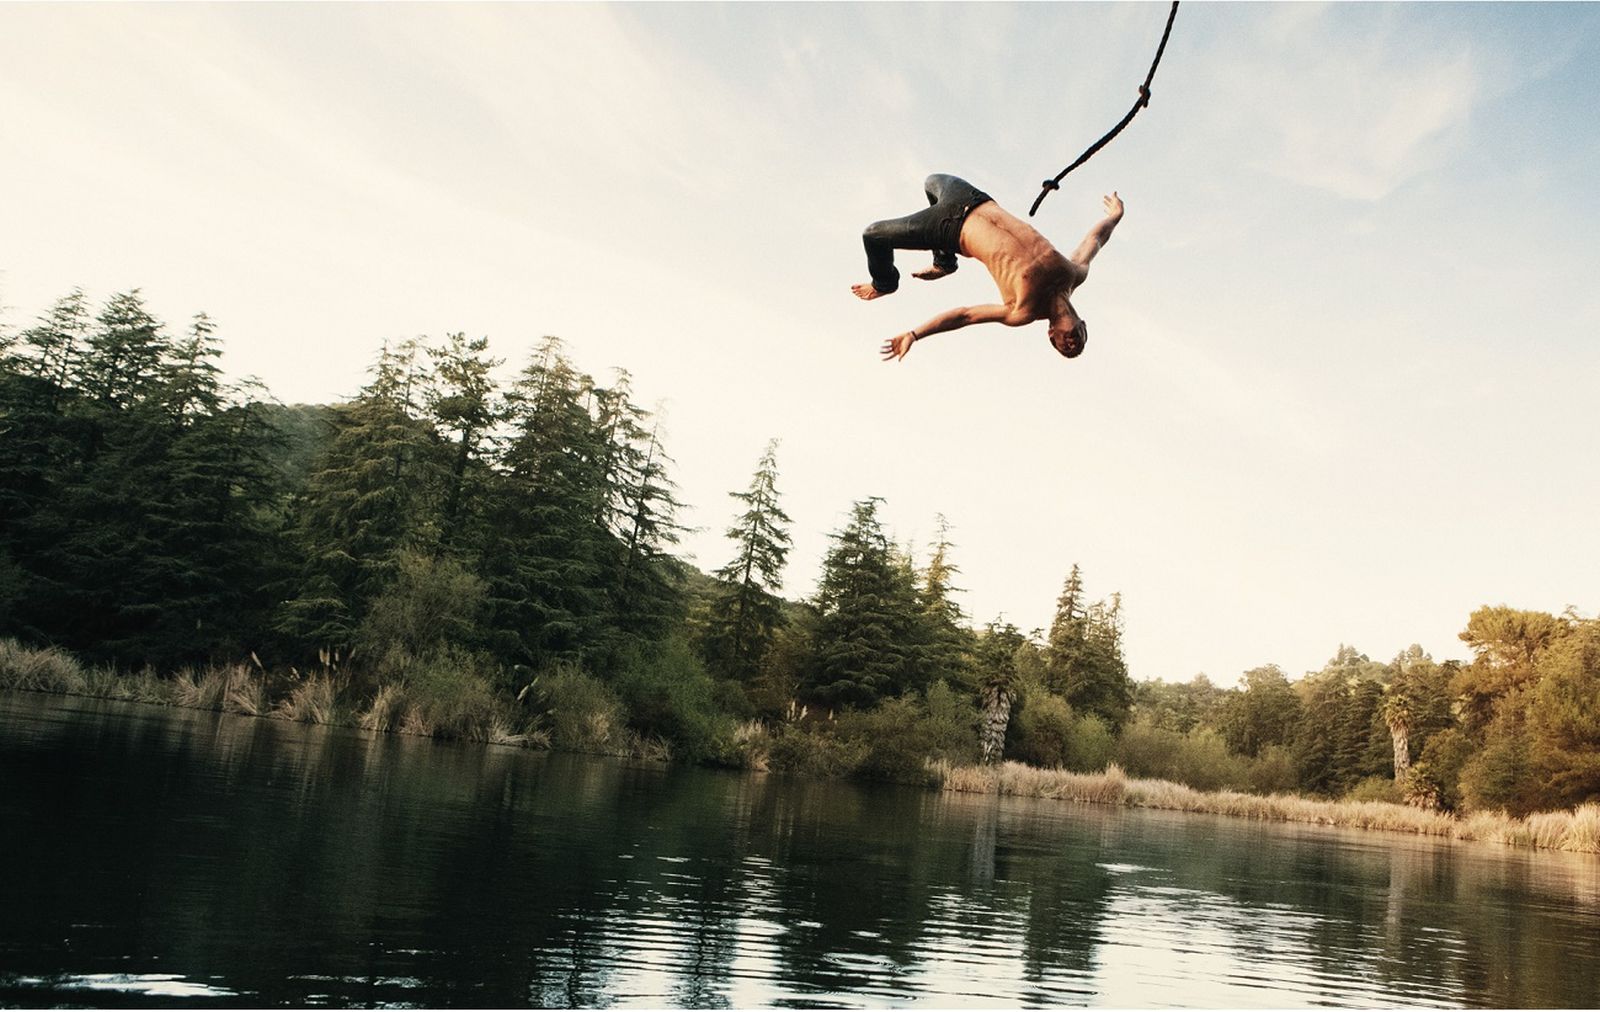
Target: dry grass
{"type": "Point", "coordinates": [1577, 830]}
{"type": "Point", "coordinates": [385, 711]}
{"type": "Point", "coordinates": [247, 693]}
{"type": "Point", "coordinates": [311, 701]}
{"type": "Point", "coordinates": [46, 670]}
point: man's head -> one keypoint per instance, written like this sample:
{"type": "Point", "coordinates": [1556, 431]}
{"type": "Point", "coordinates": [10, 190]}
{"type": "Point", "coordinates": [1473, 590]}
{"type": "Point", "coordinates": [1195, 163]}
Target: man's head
{"type": "Point", "coordinates": [1069, 333]}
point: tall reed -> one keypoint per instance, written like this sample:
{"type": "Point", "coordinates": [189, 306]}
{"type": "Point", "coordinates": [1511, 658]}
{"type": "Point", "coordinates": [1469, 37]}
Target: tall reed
{"type": "Point", "coordinates": [1577, 830]}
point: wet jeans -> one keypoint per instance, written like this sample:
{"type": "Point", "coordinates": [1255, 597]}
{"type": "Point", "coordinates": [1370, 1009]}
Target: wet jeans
{"type": "Point", "coordinates": [937, 228]}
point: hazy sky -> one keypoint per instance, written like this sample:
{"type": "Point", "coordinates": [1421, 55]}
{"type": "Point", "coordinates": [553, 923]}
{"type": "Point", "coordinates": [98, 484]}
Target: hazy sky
{"type": "Point", "coordinates": [1342, 380]}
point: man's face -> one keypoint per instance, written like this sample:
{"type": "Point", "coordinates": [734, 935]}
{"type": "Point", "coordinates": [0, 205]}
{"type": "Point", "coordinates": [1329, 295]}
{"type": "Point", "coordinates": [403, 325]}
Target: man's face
{"type": "Point", "coordinates": [1069, 334]}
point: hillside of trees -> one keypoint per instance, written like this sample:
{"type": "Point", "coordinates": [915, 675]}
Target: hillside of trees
{"type": "Point", "coordinates": [447, 553]}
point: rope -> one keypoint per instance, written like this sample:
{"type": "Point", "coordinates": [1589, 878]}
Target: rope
{"type": "Point", "coordinates": [1144, 100]}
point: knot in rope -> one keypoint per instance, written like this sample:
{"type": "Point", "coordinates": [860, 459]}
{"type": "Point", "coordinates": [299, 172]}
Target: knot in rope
{"type": "Point", "coordinates": [1144, 101]}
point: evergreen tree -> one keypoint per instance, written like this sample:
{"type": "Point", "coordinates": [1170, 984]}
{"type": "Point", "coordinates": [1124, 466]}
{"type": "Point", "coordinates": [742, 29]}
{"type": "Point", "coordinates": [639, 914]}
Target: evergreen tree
{"type": "Point", "coordinates": [1265, 713]}
{"type": "Point", "coordinates": [944, 642]}
{"type": "Point", "coordinates": [461, 404]}
{"type": "Point", "coordinates": [745, 612]}
{"type": "Point", "coordinates": [545, 552]}
{"type": "Point", "coordinates": [1083, 655]}
{"type": "Point", "coordinates": [367, 500]}
{"type": "Point", "coordinates": [866, 610]}
{"type": "Point", "coordinates": [645, 596]}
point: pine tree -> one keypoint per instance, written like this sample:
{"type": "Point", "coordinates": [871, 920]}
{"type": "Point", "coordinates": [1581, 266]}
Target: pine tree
{"type": "Point", "coordinates": [545, 551]}
{"type": "Point", "coordinates": [744, 614]}
{"type": "Point", "coordinates": [367, 500]}
{"type": "Point", "coordinates": [945, 643]}
{"type": "Point", "coordinates": [462, 407]}
{"type": "Point", "coordinates": [645, 598]}
{"type": "Point", "coordinates": [866, 611]}
{"type": "Point", "coordinates": [1084, 662]}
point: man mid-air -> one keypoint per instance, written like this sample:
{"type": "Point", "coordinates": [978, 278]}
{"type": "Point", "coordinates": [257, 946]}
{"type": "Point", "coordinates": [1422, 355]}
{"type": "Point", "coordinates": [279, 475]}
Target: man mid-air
{"type": "Point", "coordinates": [1036, 282]}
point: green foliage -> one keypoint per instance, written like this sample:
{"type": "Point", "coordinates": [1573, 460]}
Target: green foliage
{"type": "Point", "coordinates": [866, 607]}
{"type": "Point", "coordinates": [1500, 776]}
{"type": "Point", "coordinates": [1264, 714]}
{"type": "Point", "coordinates": [1083, 655]}
{"type": "Point", "coordinates": [1180, 706]}
{"type": "Point", "coordinates": [1042, 728]}
{"type": "Point", "coordinates": [744, 614]}
{"type": "Point", "coordinates": [1375, 788]}
{"type": "Point", "coordinates": [430, 604]}
{"type": "Point", "coordinates": [668, 695]}
{"type": "Point", "coordinates": [582, 713]}
{"type": "Point", "coordinates": [814, 753]}
{"type": "Point", "coordinates": [1436, 776]}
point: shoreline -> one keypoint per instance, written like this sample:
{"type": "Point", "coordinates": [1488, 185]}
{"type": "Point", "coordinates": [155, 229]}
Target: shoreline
{"type": "Point", "coordinates": [1574, 831]}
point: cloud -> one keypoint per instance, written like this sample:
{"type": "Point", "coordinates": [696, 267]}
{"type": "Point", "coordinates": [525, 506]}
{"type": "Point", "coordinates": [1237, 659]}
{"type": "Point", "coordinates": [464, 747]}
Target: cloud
{"type": "Point", "coordinates": [1356, 110]}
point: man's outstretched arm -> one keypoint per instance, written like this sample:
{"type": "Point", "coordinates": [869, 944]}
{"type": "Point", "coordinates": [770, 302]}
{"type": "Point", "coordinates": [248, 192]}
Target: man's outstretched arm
{"type": "Point", "coordinates": [1101, 233]}
{"type": "Point", "coordinates": [951, 319]}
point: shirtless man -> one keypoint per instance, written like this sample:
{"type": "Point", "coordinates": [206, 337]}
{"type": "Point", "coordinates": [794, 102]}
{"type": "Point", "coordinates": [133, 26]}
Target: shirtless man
{"type": "Point", "coordinates": [1036, 282]}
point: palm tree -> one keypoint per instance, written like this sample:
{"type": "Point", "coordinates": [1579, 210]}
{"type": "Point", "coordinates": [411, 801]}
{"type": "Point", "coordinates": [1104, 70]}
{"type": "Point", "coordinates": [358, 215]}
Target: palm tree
{"type": "Point", "coordinates": [996, 715]}
{"type": "Point", "coordinates": [996, 655]}
{"type": "Point", "coordinates": [1397, 713]}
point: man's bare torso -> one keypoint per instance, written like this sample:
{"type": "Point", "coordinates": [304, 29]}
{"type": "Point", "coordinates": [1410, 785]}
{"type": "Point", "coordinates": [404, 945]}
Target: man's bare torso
{"type": "Point", "coordinates": [1029, 272]}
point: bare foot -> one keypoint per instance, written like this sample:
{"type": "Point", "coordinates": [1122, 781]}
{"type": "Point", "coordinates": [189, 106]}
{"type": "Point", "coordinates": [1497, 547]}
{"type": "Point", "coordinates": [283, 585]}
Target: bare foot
{"type": "Point", "coordinates": [866, 292]}
{"type": "Point", "coordinates": [932, 274]}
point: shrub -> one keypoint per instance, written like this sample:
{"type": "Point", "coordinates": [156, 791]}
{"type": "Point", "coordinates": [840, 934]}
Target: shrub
{"type": "Point", "coordinates": [1090, 745]}
{"type": "Point", "coordinates": [580, 712]}
{"type": "Point", "coordinates": [431, 604]}
{"type": "Point", "coordinates": [1375, 789]}
{"type": "Point", "coordinates": [893, 739]}
{"type": "Point", "coordinates": [1436, 776]}
{"type": "Point", "coordinates": [668, 695]}
{"type": "Point", "coordinates": [951, 724]}
{"type": "Point", "coordinates": [450, 689]}
{"type": "Point", "coordinates": [1042, 727]}
{"type": "Point", "coordinates": [814, 753]}
{"type": "Point", "coordinates": [1272, 771]}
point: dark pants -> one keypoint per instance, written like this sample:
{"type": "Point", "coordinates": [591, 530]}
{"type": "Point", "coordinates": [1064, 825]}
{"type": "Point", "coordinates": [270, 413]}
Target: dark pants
{"type": "Point", "coordinates": [938, 228]}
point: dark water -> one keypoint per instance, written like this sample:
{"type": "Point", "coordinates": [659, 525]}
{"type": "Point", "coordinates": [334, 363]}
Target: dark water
{"type": "Point", "coordinates": [153, 856]}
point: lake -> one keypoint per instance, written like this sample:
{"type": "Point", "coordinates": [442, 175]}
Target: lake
{"type": "Point", "coordinates": [152, 856]}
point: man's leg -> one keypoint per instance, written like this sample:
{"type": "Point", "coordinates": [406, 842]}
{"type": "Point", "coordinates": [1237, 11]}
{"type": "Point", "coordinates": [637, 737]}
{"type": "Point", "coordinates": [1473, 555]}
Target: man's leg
{"type": "Point", "coordinates": [914, 231]}
{"type": "Point", "coordinates": [938, 187]}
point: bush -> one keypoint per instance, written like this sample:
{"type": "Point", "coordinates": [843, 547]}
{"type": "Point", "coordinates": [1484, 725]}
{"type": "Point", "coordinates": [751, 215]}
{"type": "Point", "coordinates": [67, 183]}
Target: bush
{"type": "Point", "coordinates": [669, 695]}
{"type": "Point", "coordinates": [893, 739]}
{"type": "Point", "coordinates": [431, 604]}
{"type": "Point", "coordinates": [1042, 728]}
{"type": "Point", "coordinates": [1090, 746]}
{"type": "Point", "coordinates": [451, 694]}
{"type": "Point", "coordinates": [813, 752]}
{"type": "Point", "coordinates": [1375, 789]}
{"type": "Point", "coordinates": [951, 724]}
{"type": "Point", "coordinates": [1201, 760]}
{"type": "Point", "coordinates": [1435, 779]}
{"type": "Point", "coordinates": [1148, 751]}
{"type": "Point", "coordinates": [1272, 772]}
{"type": "Point", "coordinates": [581, 713]}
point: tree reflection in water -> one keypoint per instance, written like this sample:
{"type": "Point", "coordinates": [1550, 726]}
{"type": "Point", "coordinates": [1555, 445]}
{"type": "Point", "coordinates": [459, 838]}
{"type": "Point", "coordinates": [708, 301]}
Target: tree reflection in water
{"type": "Point", "coordinates": [264, 862]}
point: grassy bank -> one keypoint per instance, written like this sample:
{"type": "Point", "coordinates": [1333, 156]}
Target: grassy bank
{"type": "Point", "coordinates": [1576, 830]}
{"type": "Point", "coordinates": [570, 711]}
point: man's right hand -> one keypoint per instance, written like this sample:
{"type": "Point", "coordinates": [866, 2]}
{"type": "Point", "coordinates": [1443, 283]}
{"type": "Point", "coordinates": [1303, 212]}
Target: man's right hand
{"type": "Point", "coordinates": [896, 347]}
{"type": "Point", "coordinates": [1113, 206]}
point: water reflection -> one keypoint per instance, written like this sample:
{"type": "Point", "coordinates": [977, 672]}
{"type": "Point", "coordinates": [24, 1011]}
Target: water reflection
{"type": "Point", "coordinates": [159, 855]}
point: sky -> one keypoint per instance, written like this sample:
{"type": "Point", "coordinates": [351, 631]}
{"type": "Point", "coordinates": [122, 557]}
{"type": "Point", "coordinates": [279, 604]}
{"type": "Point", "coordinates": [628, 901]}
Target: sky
{"type": "Point", "coordinates": [1341, 383]}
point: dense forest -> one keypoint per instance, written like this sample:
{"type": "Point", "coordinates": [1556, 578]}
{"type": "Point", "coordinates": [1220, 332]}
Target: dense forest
{"type": "Point", "coordinates": [445, 553]}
